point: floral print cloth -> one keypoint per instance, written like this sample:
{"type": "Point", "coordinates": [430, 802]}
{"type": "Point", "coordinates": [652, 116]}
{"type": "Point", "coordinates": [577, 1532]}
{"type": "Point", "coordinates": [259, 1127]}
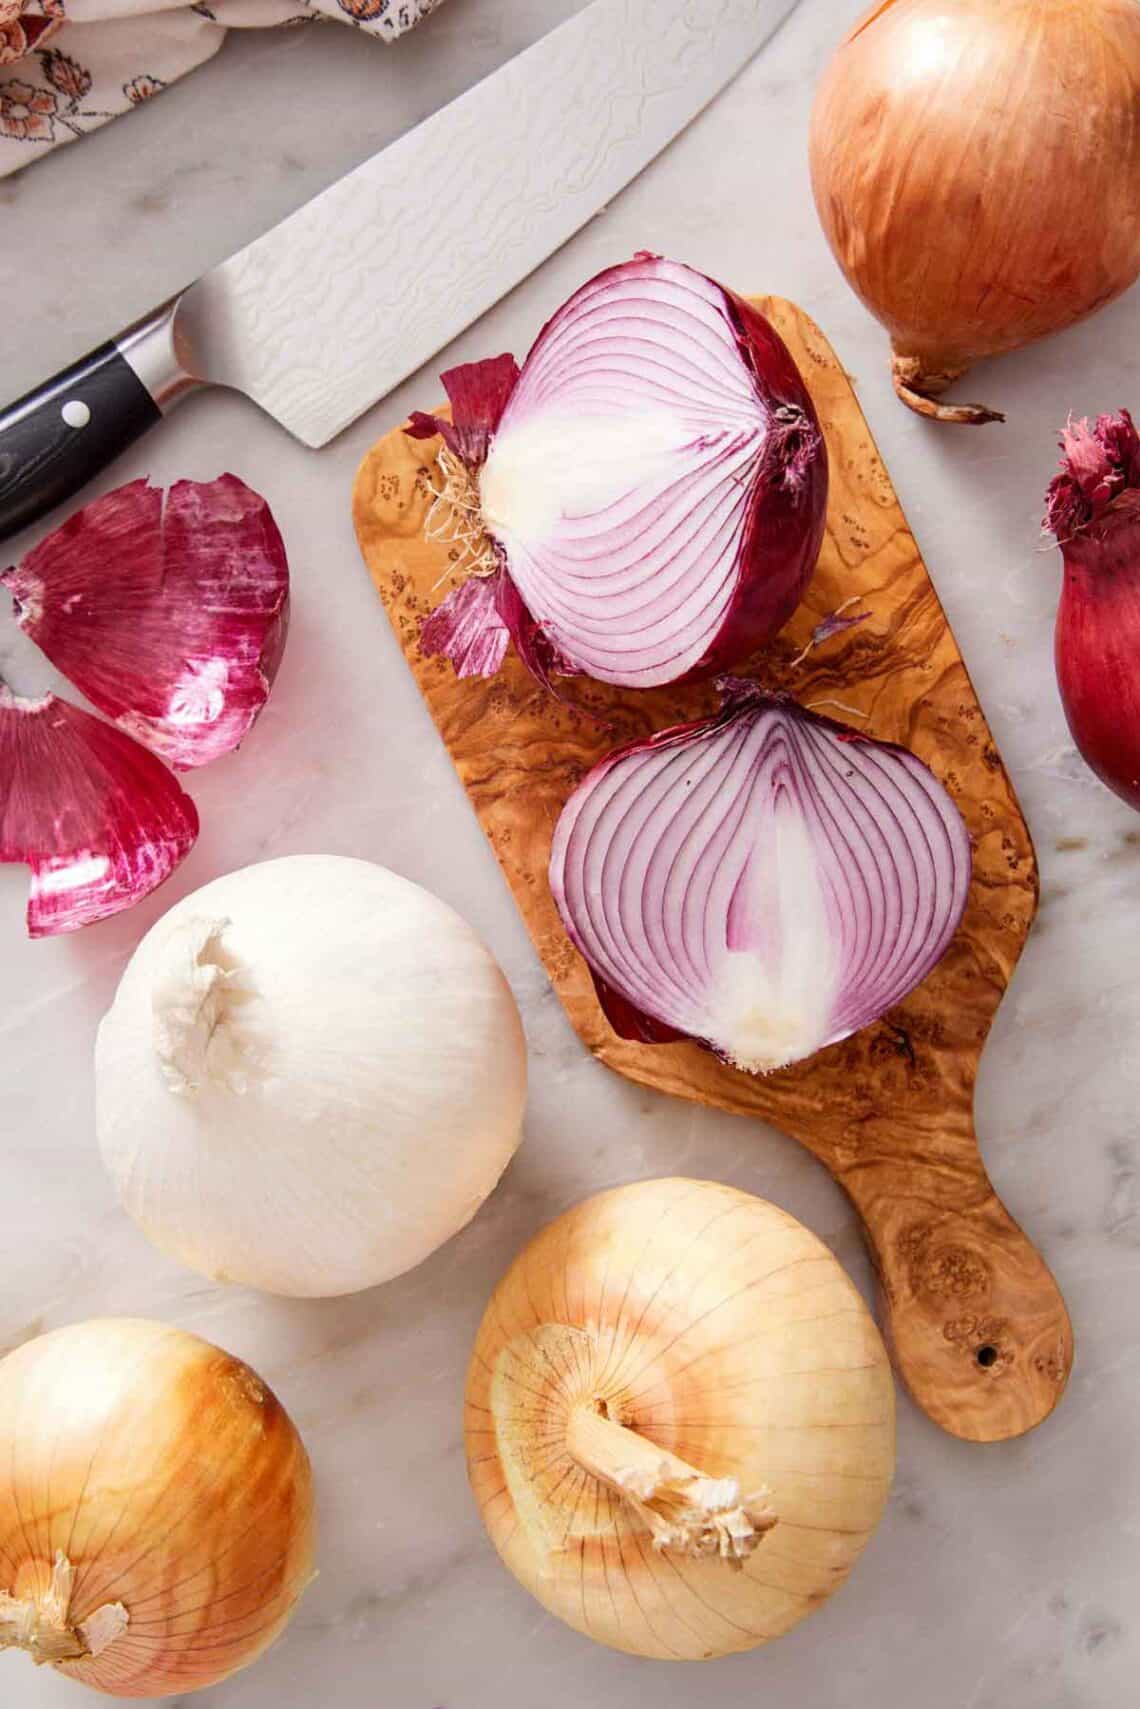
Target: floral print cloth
{"type": "Point", "coordinates": [67, 66]}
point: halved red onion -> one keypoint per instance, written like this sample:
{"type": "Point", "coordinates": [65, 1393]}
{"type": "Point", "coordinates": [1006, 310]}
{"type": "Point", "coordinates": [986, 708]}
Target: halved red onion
{"type": "Point", "coordinates": [765, 881]}
{"type": "Point", "coordinates": [100, 821]}
{"type": "Point", "coordinates": [654, 482]}
{"type": "Point", "coordinates": [169, 612]}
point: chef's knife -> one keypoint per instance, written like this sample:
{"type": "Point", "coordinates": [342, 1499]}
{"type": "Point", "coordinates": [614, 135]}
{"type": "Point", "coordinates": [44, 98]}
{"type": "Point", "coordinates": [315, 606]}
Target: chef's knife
{"type": "Point", "coordinates": [335, 306]}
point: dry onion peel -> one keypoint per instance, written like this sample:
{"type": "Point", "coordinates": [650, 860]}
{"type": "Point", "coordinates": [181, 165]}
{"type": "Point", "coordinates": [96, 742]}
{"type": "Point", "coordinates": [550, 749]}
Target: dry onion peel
{"type": "Point", "coordinates": [976, 169]}
{"type": "Point", "coordinates": [679, 1420]}
{"type": "Point", "coordinates": [168, 611]}
{"type": "Point", "coordinates": [313, 1074]}
{"type": "Point", "coordinates": [765, 881]}
{"type": "Point", "coordinates": [1093, 508]}
{"type": "Point", "coordinates": [650, 488]}
{"type": "Point", "coordinates": [156, 1519]}
{"type": "Point", "coordinates": [100, 822]}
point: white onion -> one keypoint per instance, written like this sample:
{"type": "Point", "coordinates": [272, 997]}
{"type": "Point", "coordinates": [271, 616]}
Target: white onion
{"type": "Point", "coordinates": [312, 1075]}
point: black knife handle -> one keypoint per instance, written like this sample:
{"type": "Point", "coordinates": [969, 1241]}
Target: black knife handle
{"type": "Point", "coordinates": [58, 437]}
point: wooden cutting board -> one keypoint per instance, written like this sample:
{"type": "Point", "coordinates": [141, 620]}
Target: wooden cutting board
{"type": "Point", "coordinates": [978, 1329]}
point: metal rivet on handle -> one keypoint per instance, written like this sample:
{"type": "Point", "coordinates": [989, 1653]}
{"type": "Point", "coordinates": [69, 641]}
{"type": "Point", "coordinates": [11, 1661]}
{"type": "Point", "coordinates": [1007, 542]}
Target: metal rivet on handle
{"type": "Point", "coordinates": [75, 413]}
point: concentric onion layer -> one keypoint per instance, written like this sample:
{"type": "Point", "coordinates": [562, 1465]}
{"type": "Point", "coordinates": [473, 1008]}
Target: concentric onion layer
{"type": "Point", "coordinates": [627, 480]}
{"type": "Point", "coordinates": [766, 882]}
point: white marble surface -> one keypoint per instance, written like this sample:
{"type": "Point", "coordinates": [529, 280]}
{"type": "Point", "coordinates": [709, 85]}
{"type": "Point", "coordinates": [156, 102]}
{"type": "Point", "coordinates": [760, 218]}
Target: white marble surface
{"type": "Point", "coordinates": [1004, 1576]}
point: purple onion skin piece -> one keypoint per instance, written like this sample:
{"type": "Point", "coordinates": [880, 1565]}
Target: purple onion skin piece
{"type": "Point", "coordinates": [169, 611]}
{"type": "Point", "coordinates": [763, 882]}
{"type": "Point", "coordinates": [478, 394]}
{"type": "Point", "coordinates": [99, 820]}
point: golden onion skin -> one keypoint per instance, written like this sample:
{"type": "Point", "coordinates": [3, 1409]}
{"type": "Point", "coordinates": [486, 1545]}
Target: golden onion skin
{"type": "Point", "coordinates": [976, 168]}
{"type": "Point", "coordinates": [174, 1482]}
{"type": "Point", "coordinates": [719, 1328]}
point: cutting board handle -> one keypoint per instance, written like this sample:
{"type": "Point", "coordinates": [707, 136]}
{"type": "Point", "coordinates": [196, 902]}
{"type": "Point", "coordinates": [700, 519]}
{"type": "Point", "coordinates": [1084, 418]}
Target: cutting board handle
{"type": "Point", "coordinates": [976, 1324]}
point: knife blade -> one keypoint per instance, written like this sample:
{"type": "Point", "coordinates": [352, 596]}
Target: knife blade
{"type": "Point", "coordinates": [444, 222]}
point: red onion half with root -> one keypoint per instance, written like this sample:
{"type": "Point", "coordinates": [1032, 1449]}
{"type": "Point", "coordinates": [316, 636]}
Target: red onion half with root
{"type": "Point", "coordinates": [765, 881]}
{"type": "Point", "coordinates": [1093, 508]}
{"type": "Point", "coordinates": [644, 501]}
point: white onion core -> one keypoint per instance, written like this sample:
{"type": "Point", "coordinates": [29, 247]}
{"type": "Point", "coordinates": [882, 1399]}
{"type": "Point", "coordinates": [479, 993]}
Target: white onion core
{"type": "Point", "coordinates": [771, 995]}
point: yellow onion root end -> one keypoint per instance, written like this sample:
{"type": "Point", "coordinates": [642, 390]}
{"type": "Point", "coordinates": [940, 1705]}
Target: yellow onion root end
{"type": "Point", "coordinates": [41, 1626]}
{"type": "Point", "coordinates": [684, 1511]}
{"type": "Point", "coordinates": [919, 387]}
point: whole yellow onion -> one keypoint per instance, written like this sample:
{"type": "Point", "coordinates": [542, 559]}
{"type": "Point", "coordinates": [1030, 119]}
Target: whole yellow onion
{"type": "Point", "coordinates": [679, 1420]}
{"type": "Point", "coordinates": [156, 1510]}
{"type": "Point", "coordinates": [976, 166]}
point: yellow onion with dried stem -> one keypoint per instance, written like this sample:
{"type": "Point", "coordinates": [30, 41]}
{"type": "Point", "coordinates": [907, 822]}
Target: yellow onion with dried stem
{"type": "Point", "coordinates": [679, 1420]}
{"type": "Point", "coordinates": [156, 1510]}
{"type": "Point", "coordinates": [976, 167]}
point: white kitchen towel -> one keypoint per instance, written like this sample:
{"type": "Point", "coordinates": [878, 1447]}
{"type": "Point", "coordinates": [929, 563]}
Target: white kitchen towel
{"type": "Point", "coordinates": [67, 66]}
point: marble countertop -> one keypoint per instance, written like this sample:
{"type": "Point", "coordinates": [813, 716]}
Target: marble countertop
{"type": "Point", "coordinates": [1003, 1577]}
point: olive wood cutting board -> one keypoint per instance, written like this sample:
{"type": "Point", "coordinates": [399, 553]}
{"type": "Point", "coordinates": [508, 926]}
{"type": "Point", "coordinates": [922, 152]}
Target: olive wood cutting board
{"type": "Point", "coordinates": [978, 1329]}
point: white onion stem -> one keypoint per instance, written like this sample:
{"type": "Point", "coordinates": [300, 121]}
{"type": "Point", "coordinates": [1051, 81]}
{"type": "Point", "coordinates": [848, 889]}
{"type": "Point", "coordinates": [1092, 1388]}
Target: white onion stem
{"type": "Point", "coordinates": [41, 1626]}
{"type": "Point", "coordinates": [686, 1511]}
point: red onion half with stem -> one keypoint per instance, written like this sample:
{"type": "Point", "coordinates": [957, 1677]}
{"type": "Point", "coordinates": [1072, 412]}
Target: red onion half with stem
{"type": "Point", "coordinates": [644, 501]}
{"type": "Point", "coordinates": [1093, 507]}
{"type": "Point", "coordinates": [765, 881]}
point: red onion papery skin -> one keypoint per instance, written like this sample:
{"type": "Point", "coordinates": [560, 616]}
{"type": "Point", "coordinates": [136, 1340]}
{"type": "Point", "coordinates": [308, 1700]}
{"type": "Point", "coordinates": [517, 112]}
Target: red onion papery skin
{"type": "Point", "coordinates": [753, 552]}
{"type": "Point", "coordinates": [477, 623]}
{"type": "Point", "coordinates": [1093, 507]}
{"type": "Point", "coordinates": [100, 821]}
{"type": "Point", "coordinates": [477, 393]}
{"type": "Point", "coordinates": [789, 502]}
{"type": "Point", "coordinates": [658, 854]}
{"type": "Point", "coordinates": [169, 613]}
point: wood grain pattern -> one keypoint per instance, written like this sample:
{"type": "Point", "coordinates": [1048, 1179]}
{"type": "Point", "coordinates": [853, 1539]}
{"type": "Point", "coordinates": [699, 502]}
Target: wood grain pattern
{"type": "Point", "coordinates": [977, 1327]}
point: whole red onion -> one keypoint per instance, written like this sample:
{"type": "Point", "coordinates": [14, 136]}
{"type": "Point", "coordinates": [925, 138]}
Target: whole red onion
{"type": "Point", "coordinates": [1093, 507]}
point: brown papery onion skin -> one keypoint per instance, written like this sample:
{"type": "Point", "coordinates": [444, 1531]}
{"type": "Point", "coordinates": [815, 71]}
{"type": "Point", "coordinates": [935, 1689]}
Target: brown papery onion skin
{"type": "Point", "coordinates": [168, 1484]}
{"type": "Point", "coordinates": [665, 1327]}
{"type": "Point", "coordinates": [976, 167]}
